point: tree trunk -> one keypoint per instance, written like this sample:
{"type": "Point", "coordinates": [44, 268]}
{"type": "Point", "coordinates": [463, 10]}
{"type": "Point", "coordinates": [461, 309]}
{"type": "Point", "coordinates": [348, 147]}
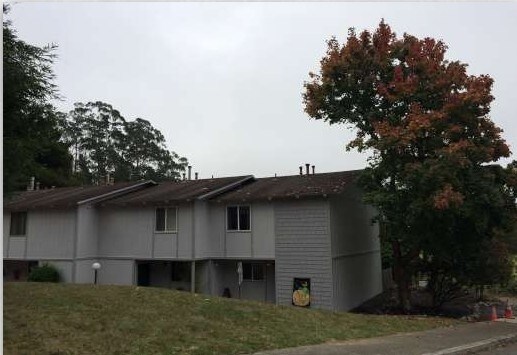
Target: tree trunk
{"type": "Point", "coordinates": [403, 286]}
{"type": "Point", "coordinates": [402, 277]}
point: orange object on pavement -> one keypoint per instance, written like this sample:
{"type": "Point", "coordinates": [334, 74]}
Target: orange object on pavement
{"type": "Point", "coordinates": [493, 316]}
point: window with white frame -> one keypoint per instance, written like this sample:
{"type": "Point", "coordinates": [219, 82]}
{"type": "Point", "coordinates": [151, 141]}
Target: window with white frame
{"type": "Point", "coordinates": [166, 219]}
{"type": "Point", "coordinates": [18, 223]}
{"type": "Point", "coordinates": [238, 218]}
{"type": "Point", "coordinates": [252, 272]}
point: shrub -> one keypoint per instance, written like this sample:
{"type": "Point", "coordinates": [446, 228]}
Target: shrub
{"type": "Point", "coordinates": [44, 273]}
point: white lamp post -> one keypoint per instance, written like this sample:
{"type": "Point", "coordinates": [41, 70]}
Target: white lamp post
{"type": "Point", "coordinates": [95, 266]}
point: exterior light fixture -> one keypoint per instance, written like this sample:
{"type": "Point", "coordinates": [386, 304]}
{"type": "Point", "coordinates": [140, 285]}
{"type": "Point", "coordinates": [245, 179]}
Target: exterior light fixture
{"type": "Point", "coordinates": [95, 266]}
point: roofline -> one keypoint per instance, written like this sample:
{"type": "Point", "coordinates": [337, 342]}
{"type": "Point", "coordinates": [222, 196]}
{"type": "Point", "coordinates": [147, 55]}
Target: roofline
{"type": "Point", "coordinates": [225, 188]}
{"type": "Point", "coordinates": [277, 198]}
{"type": "Point", "coordinates": [310, 175]}
{"type": "Point", "coordinates": [115, 192]}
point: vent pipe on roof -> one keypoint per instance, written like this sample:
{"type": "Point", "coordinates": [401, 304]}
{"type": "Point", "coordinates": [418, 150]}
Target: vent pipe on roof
{"type": "Point", "coordinates": [301, 170]}
{"type": "Point", "coordinates": [196, 175]}
{"type": "Point", "coordinates": [190, 172]}
{"type": "Point", "coordinates": [37, 185]}
{"type": "Point", "coordinates": [184, 176]}
{"type": "Point", "coordinates": [307, 168]}
{"type": "Point", "coordinates": [313, 169]}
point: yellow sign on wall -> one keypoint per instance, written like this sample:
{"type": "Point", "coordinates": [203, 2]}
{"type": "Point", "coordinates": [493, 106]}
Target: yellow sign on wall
{"type": "Point", "coordinates": [302, 292]}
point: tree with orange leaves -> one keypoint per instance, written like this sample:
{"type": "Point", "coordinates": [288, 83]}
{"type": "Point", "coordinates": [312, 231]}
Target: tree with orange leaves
{"type": "Point", "coordinates": [427, 123]}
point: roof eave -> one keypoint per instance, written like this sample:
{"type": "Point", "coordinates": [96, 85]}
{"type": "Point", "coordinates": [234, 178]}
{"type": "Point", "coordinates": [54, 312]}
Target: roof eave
{"type": "Point", "coordinates": [225, 188]}
{"type": "Point", "coordinates": [115, 192]}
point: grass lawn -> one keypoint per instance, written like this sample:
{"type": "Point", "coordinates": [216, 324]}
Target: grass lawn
{"type": "Point", "coordinates": [86, 319]}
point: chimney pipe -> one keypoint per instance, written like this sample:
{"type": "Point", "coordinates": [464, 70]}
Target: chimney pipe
{"type": "Point", "coordinates": [37, 185]}
{"type": "Point", "coordinates": [307, 168]}
{"type": "Point", "coordinates": [313, 168]}
{"type": "Point", "coordinates": [301, 170]}
{"type": "Point", "coordinates": [196, 175]}
{"type": "Point", "coordinates": [189, 172]}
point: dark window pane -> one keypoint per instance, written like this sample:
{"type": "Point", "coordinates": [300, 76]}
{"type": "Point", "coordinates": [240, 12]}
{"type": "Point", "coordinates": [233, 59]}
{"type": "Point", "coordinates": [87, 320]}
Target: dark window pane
{"type": "Point", "coordinates": [160, 219]}
{"type": "Point", "coordinates": [23, 223]}
{"type": "Point", "coordinates": [258, 272]}
{"type": "Point", "coordinates": [232, 218]}
{"type": "Point", "coordinates": [244, 218]}
{"type": "Point", "coordinates": [18, 223]}
{"type": "Point", "coordinates": [171, 219]}
{"type": "Point", "coordinates": [246, 271]}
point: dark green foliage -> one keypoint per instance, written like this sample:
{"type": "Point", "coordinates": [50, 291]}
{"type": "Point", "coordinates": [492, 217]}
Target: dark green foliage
{"type": "Point", "coordinates": [44, 273]}
{"type": "Point", "coordinates": [37, 139]}
{"type": "Point", "coordinates": [31, 138]}
{"type": "Point", "coordinates": [103, 143]}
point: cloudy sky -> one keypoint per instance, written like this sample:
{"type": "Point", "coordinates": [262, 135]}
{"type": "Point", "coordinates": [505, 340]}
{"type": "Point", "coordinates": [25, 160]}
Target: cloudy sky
{"type": "Point", "coordinates": [223, 81]}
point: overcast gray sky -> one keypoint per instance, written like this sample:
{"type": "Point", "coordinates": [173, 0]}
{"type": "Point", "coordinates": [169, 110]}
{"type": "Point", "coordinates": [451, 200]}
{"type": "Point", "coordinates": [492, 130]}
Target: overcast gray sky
{"type": "Point", "coordinates": [223, 81]}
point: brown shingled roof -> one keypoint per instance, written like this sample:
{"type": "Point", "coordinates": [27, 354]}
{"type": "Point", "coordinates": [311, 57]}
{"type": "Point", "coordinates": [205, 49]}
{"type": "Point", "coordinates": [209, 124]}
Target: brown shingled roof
{"type": "Point", "coordinates": [296, 186]}
{"type": "Point", "coordinates": [175, 191]}
{"type": "Point", "coordinates": [65, 197]}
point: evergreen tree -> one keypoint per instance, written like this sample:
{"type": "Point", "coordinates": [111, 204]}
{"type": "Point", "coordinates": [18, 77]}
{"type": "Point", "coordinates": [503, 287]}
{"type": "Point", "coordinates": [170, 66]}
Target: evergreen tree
{"type": "Point", "coordinates": [103, 142]}
{"type": "Point", "coordinates": [31, 138]}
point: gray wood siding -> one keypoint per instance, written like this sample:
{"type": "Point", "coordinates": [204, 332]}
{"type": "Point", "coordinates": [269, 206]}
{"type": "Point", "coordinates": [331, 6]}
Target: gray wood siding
{"type": "Point", "coordinates": [302, 249]}
{"type": "Point", "coordinates": [165, 245]}
{"type": "Point", "coordinates": [263, 230]}
{"type": "Point", "coordinates": [351, 224]}
{"type": "Point", "coordinates": [17, 247]}
{"type": "Point", "coordinates": [185, 231]}
{"type": "Point", "coordinates": [51, 234]}
{"type": "Point", "coordinates": [116, 272]}
{"type": "Point", "coordinates": [238, 244]}
{"type": "Point", "coordinates": [130, 233]}
{"type": "Point", "coordinates": [202, 230]}
{"type": "Point", "coordinates": [126, 232]}
{"type": "Point", "coordinates": [84, 272]}
{"type": "Point", "coordinates": [357, 278]}
{"type": "Point", "coordinates": [356, 260]}
{"type": "Point", "coordinates": [87, 232]}
{"type": "Point", "coordinates": [217, 230]}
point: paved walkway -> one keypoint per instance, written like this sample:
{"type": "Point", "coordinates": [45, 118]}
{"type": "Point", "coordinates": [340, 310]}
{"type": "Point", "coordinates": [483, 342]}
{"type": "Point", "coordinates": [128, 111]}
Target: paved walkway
{"type": "Point", "coordinates": [462, 339]}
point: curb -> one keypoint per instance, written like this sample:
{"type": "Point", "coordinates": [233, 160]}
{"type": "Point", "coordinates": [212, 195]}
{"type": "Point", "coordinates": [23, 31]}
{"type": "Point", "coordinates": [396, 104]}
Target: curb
{"type": "Point", "coordinates": [478, 346]}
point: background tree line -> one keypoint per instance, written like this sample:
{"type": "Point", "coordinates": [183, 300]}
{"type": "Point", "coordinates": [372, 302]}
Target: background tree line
{"type": "Point", "coordinates": [103, 142]}
{"type": "Point", "coordinates": [81, 147]}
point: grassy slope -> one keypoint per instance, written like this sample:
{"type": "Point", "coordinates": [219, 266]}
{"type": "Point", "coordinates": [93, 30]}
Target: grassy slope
{"type": "Point", "coordinates": [85, 319]}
